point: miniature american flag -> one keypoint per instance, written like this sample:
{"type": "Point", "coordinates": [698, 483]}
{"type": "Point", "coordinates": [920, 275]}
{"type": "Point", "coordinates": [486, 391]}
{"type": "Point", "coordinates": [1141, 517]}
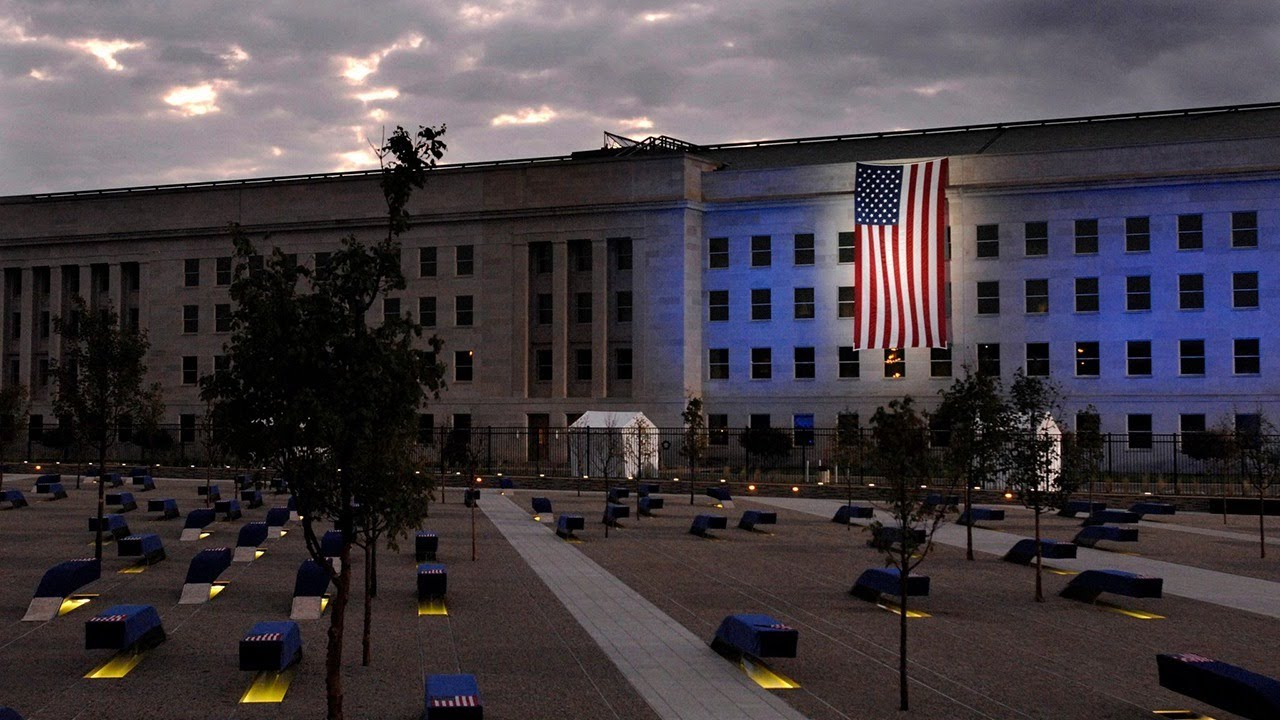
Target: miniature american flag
{"type": "Point", "coordinates": [108, 618]}
{"type": "Point", "coordinates": [265, 637]}
{"type": "Point", "coordinates": [455, 701]}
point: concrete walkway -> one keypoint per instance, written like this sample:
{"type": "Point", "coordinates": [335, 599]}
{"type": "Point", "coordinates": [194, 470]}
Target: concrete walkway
{"type": "Point", "coordinates": [1233, 591]}
{"type": "Point", "coordinates": [675, 672]}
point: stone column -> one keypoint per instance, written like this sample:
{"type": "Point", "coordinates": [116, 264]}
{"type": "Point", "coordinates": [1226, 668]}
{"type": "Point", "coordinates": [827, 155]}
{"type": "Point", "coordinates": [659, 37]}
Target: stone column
{"type": "Point", "coordinates": [560, 361]}
{"type": "Point", "coordinates": [599, 318]}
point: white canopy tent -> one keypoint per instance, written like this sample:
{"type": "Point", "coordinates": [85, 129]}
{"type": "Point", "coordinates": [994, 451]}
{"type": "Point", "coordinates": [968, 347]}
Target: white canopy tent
{"type": "Point", "coordinates": [613, 444]}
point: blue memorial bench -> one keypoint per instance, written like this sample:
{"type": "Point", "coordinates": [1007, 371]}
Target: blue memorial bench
{"type": "Point", "coordinates": [888, 536]}
{"type": "Point", "coordinates": [1221, 685]}
{"type": "Point", "coordinates": [933, 500]}
{"type": "Point", "coordinates": [197, 521]}
{"type": "Point", "coordinates": [124, 627]}
{"type": "Point", "coordinates": [452, 697]}
{"type": "Point", "coordinates": [541, 505]}
{"type": "Point", "coordinates": [752, 518]}
{"type": "Point", "coordinates": [15, 498]}
{"type": "Point", "coordinates": [279, 486]}
{"type": "Point", "coordinates": [50, 485]}
{"type": "Point", "coordinates": [614, 512]}
{"type": "Point", "coordinates": [167, 507]}
{"type": "Point", "coordinates": [1023, 552]}
{"type": "Point", "coordinates": [204, 569]}
{"type": "Point", "coordinates": [148, 547]}
{"type": "Point", "coordinates": [1154, 508]}
{"type": "Point", "coordinates": [213, 491]}
{"type": "Point", "coordinates": [292, 507]}
{"type": "Point", "coordinates": [647, 504]}
{"type": "Point", "coordinates": [243, 481]}
{"type": "Point", "coordinates": [7, 713]}
{"type": "Point", "coordinates": [506, 484]}
{"type": "Point", "coordinates": [470, 497]}
{"type": "Point", "coordinates": [58, 583]}
{"type": "Point", "coordinates": [433, 581]}
{"type": "Point", "coordinates": [1090, 536]}
{"type": "Point", "coordinates": [121, 502]}
{"type": "Point", "coordinates": [113, 525]}
{"type": "Point", "coordinates": [1076, 507]}
{"type": "Point", "coordinates": [703, 523]}
{"type": "Point", "coordinates": [425, 545]}
{"type": "Point", "coordinates": [1088, 585]}
{"type": "Point", "coordinates": [873, 583]}
{"type": "Point", "coordinates": [271, 646]}
{"type": "Point", "coordinates": [755, 635]}
{"type": "Point", "coordinates": [331, 548]}
{"type": "Point", "coordinates": [309, 587]}
{"type": "Point", "coordinates": [228, 509]}
{"type": "Point", "coordinates": [251, 498]}
{"type": "Point", "coordinates": [720, 494]}
{"type": "Point", "coordinates": [618, 493]}
{"type": "Point", "coordinates": [277, 518]}
{"type": "Point", "coordinates": [253, 535]}
{"type": "Point", "coordinates": [980, 515]}
{"type": "Point", "coordinates": [647, 489]}
{"type": "Point", "coordinates": [141, 478]}
{"type": "Point", "coordinates": [566, 524]}
{"type": "Point", "coordinates": [1118, 517]}
{"type": "Point", "coordinates": [846, 513]}
{"type": "Point", "coordinates": [111, 480]}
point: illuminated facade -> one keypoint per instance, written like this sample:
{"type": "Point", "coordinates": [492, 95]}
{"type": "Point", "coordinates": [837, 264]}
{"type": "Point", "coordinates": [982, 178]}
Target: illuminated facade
{"type": "Point", "coordinates": [1131, 259]}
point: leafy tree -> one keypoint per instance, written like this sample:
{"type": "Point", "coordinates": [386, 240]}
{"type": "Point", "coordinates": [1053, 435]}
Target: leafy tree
{"type": "Point", "coordinates": [1216, 448]}
{"type": "Point", "coordinates": [766, 443]}
{"type": "Point", "coordinates": [99, 382]}
{"type": "Point", "coordinates": [1259, 450]}
{"type": "Point", "coordinates": [1034, 453]}
{"type": "Point", "coordinates": [1083, 454]}
{"type": "Point", "coordinates": [694, 442]}
{"type": "Point", "coordinates": [14, 405]}
{"type": "Point", "coordinates": [976, 416]}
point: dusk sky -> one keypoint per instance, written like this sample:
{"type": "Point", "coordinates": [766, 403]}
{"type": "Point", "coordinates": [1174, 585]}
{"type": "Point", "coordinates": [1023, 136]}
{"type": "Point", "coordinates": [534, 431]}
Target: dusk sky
{"type": "Point", "coordinates": [112, 93]}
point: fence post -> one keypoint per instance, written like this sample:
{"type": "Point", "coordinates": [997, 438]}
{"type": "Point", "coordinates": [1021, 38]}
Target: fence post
{"type": "Point", "coordinates": [1176, 491]}
{"type": "Point", "coordinates": [488, 450]}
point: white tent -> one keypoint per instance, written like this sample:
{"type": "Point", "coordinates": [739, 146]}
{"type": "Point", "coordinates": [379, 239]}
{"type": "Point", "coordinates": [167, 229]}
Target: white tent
{"type": "Point", "coordinates": [613, 444]}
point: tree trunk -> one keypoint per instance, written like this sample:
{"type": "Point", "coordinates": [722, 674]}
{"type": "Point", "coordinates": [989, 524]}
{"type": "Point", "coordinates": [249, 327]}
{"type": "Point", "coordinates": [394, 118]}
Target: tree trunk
{"type": "Point", "coordinates": [1262, 527]}
{"type": "Point", "coordinates": [337, 620]}
{"type": "Point", "coordinates": [1039, 558]}
{"type": "Point", "coordinates": [366, 655]}
{"type": "Point", "coordinates": [102, 464]}
{"type": "Point", "coordinates": [904, 572]}
{"type": "Point", "coordinates": [968, 509]}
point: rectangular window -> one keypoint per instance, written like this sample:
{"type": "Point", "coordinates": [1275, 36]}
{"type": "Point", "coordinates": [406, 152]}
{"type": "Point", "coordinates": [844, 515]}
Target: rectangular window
{"type": "Point", "coordinates": [221, 363]}
{"type": "Point", "coordinates": [1138, 360]}
{"type": "Point", "coordinates": [1190, 232]}
{"type": "Point", "coordinates": [582, 364]}
{"type": "Point", "coordinates": [322, 261]}
{"type": "Point", "coordinates": [190, 318]}
{"type": "Point", "coordinates": [1191, 292]}
{"type": "Point", "coordinates": [718, 363]}
{"type": "Point", "coordinates": [426, 428]}
{"type": "Point", "coordinates": [543, 309]}
{"type": "Point", "coordinates": [895, 363]}
{"type": "Point", "coordinates": [718, 428]}
{"type": "Point", "coordinates": [222, 317]}
{"type": "Point", "coordinates": [222, 271]}
{"type": "Point", "coordinates": [1137, 234]}
{"type": "Point", "coordinates": [847, 359]}
{"type": "Point", "coordinates": [186, 428]}
{"type": "Point", "coordinates": [940, 362]}
{"type": "Point", "coordinates": [132, 322]}
{"type": "Point", "coordinates": [761, 363]}
{"type": "Point", "coordinates": [1038, 359]}
{"type": "Point", "coordinates": [1244, 290]}
{"type": "Point", "coordinates": [1248, 424]}
{"type": "Point", "coordinates": [623, 305]}
{"type": "Point", "coordinates": [464, 311]}
{"type": "Point", "coordinates": [846, 302]}
{"type": "Point", "coordinates": [846, 247]}
{"type": "Point", "coordinates": [1139, 432]}
{"type": "Point", "coordinates": [1191, 357]}
{"type": "Point", "coordinates": [191, 272]}
{"type": "Point", "coordinates": [190, 370]}
{"type": "Point", "coordinates": [1086, 237]}
{"type": "Point", "coordinates": [621, 253]}
{"type": "Point", "coordinates": [988, 241]}
{"type": "Point", "coordinates": [989, 297]}
{"type": "Point", "coordinates": [427, 311]}
{"type": "Point", "coordinates": [1137, 293]}
{"type": "Point", "coordinates": [718, 252]}
{"type": "Point", "coordinates": [539, 257]}
{"type": "Point", "coordinates": [761, 251]}
{"type": "Point", "coordinates": [802, 430]}
{"type": "Point", "coordinates": [622, 363]}
{"type": "Point", "coordinates": [804, 303]}
{"type": "Point", "coordinates": [761, 304]}
{"type": "Point", "coordinates": [1192, 423]}
{"type": "Point", "coordinates": [582, 307]}
{"type": "Point", "coordinates": [805, 363]}
{"type": "Point", "coordinates": [46, 322]}
{"type": "Point", "coordinates": [466, 264]}
{"type": "Point", "coordinates": [463, 365]}
{"type": "Point", "coordinates": [1037, 239]}
{"type": "Point", "coordinates": [803, 249]}
{"type": "Point", "coordinates": [1037, 294]}
{"type": "Point", "coordinates": [580, 255]}
{"type": "Point", "coordinates": [390, 309]}
{"type": "Point", "coordinates": [427, 261]}
{"type": "Point", "coordinates": [1087, 294]}
{"type": "Point", "coordinates": [42, 373]}
{"type": "Point", "coordinates": [1088, 362]}
{"type": "Point", "coordinates": [1248, 356]}
{"type": "Point", "coordinates": [989, 359]}
{"type": "Point", "coordinates": [718, 305]}
{"type": "Point", "coordinates": [1244, 229]}
{"type": "Point", "coordinates": [542, 364]}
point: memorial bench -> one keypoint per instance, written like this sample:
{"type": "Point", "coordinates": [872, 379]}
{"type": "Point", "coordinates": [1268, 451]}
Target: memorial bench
{"type": "Point", "coordinates": [647, 489]}
{"type": "Point", "coordinates": [167, 507]}
{"type": "Point", "coordinates": [425, 545]}
{"type": "Point", "coordinates": [142, 480]}
{"type": "Point", "coordinates": [309, 587]}
{"type": "Point", "coordinates": [1088, 585]}
{"type": "Point", "coordinates": [703, 523]}
{"type": "Point", "coordinates": [113, 525]}
{"type": "Point", "coordinates": [251, 498]}
{"type": "Point", "coordinates": [452, 697]}
{"type": "Point", "coordinates": [1119, 517]}
{"type": "Point", "coordinates": [124, 627]}
{"type": "Point", "coordinates": [7, 713]}
{"type": "Point", "coordinates": [1154, 508]}
{"type": "Point", "coordinates": [614, 512]}
{"type": "Point", "coordinates": [719, 494]}
{"type": "Point", "coordinates": [197, 521]}
{"type": "Point", "coordinates": [541, 505]}
{"type": "Point", "coordinates": [752, 518]}
{"type": "Point", "coordinates": [121, 502]}
{"type": "Point", "coordinates": [1090, 536]}
{"type": "Point", "coordinates": [292, 507]}
{"type": "Point", "coordinates": [148, 547]}
{"type": "Point", "coordinates": [889, 536]}
{"type": "Point", "coordinates": [271, 646]}
{"type": "Point", "coordinates": [111, 480]}
{"type": "Point", "coordinates": [933, 500]}
{"type": "Point", "coordinates": [506, 484]}
{"type": "Point", "coordinates": [978, 515]}
{"type": "Point", "coordinates": [566, 524]}
{"type": "Point", "coordinates": [277, 518]}
{"type": "Point", "coordinates": [15, 498]}
{"type": "Point", "coordinates": [1221, 685]}
{"type": "Point", "coordinates": [243, 481]}
{"type": "Point", "coordinates": [253, 535]}
{"type": "Point", "coordinates": [754, 635]}
{"type": "Point", "coordinates": [50, 485]}
{"type": "Point", "coordinates": [618, 493]}
{"type": "Point", "coordinates": [204, 569]}
{"type": "Point", "coordinates": [846, 513]}
{"type": "Point", "coordinates": [331, 548]}
{"type": "Point", "coordinates": [213, 491]}
{"type": "Point", "coordinates": [433, 581]}
{"type": "Point", "coordinates": [1075, 507]}
{"type": "Point", "coordinates": [1023, 552]}
{"type": "Point", "coordinates": [228, 509]}
{"type": "Point", "coordinates": [873, 583]}
{"type": "Point", "coordinates": [471, 497]}
{"type": "Point", "coordinates": [646, 504]}
{"type": "Point", "coordinates": [57, 584]}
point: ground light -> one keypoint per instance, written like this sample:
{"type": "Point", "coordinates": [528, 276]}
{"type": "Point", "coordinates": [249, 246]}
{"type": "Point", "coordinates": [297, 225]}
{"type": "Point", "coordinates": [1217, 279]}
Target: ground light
{"type": "Point", "coordinates": [117, 666]}
{"type": "Point", "coordinates": [216, 589]}
{"type": "Point", "coordinates": [764, 676]}
{"type": "Point", "coordinates": [432, 606]}
{"type": "Point", "coordinates": [1181, 715]}
{"type": "Point", "coordinates": [1138, 614]}
{"type": "Point", "coordinates": [75, 601]}
{"type": "Point", "coordinates": [897, 610]}
{"type": "Point", "coordinates": [268, 687]}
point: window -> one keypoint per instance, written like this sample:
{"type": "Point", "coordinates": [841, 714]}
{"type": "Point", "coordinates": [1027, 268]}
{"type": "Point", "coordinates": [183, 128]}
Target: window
{"type": "Point", "coordinates": [804, 305]}
{"type": "Point", "coordinates": [42, 372]}
{"type": "Point", "coordinates": [718, 253]}
{"type": "Point", "coordinates": [847, 359]}
{"type": "Point", "coordinates": [1088, 363]}
{"type": "Point", "coordinates": [1191, 292]}
{"type": "Point", "coordinates": [1248, 360]}
{"type": "Point", "coordinates": [802, 430]}
{"type": "Point", "coordinates": [895, 363]}
{"type": "Point", "coordinates": [1139, 432]}
{"type": "Point", "coordinates": [718, 363]}
{"type": "Point", "coordinates": [622, 363]}
{"type": "Point", "coordinates": [222, 317]}
{"type": "Point", "coordinates": [1037, 292]}
{"type": "Point", "coordinates": [1244, 290]}
{"type": "Point", "coordinates": [621, 253]}
{"type": "Point", "coordinates": [1087, 294]}
{"type": "Point", "coordinates": [222, 271]}
{"type": "Point", "coordinates": [846, 247]}
{"type": "Point", "coordinates": [1248, 424]}
{"type": "Point", "coordinates": [989, 359]}
{"type": "Point", "coordinates": [804, 363]}
{"type": "Point", "coordinates": [761, 363]}
{"type": "Point", "coordinates": [466, 260]}
{"type": "Point", "coordinates": [191, 272]}
{"type": "Point", "coordinates": [390, 309]}
{"type": "Point", "coordinates": [190, 318]}
{"type": "Point", "coordinates": [1037, 239]}
{"type": "Point", "coordinates": [464, 311]}
{"type": "Point", "coordinates": [622, 303]}
{"type": "Point", "coordinates": [804, 249]}
{"type": "Point", "coordinates": [46, 322]}
{"type": "Point", "coordinates": [718, 305]}
{"type": "Point", "coordinates": [221, 363]}
{"type": "Point", "coordinates": [15, 321]}
{"type": "Point", "coordinates": [427, 311]}
{"type": "Point", "coordinates": [1137, 234]}
{"type": "Point", "coordinates": [1137, 293]}
{"type": "Point", "coordinates": [1138, 360]}
{"type": "Point", "coordinates": [1192, 423]}
{"type": "Point", "coordinates": [190, 370]}
{"type": "Point", "coordinates": [427, 261]}
{"type": "Point", "coordinates": [582, 307]}
{"type": "Point", "coordinates": [463, 365]}
{"type": "Point", "coordinates": [989, 297]}
{"type": "Point", "coordinates": [186, 428]}
{"type": "Point", "coordinates": [542, 364]}
{"type": "Point", "coordinates": [761, 251]}
{"type": "Point", "coordinates": [717, 429]}
{"type": "Point", "coordinates": [322, 261]}
{"type": "Point", "coordinates": [988, 241]}
{"type": "Point", "coordinates": [1190, 232]}
{"type": "Point", "coordinates": [761, 304]}
{"type": "Point", "coordinates": [539, 257]}
{"type": "Point", "coordinates": [1191, 357]}
{"type": "Point", "coordinates": [1086, 237]}
{"type": "Point", "coordinates": [758, 421]}
{"type": "Point", "coordinates": [426, 428]}
{"type": "Point", "coordinates": [1244, 229]}
{"type": "Point", "coordinates": [580, 255]}
{"type": "Point", "coordinates": [940, 362]}
{"type": "Point", "coordinates": [1038, 359]}
{"type": "Point", "coordinates": [846, 303]}
{"type": "Point", "coordinates": [582, 364]}
{"type": "Point", "coordinates": [542, 309]}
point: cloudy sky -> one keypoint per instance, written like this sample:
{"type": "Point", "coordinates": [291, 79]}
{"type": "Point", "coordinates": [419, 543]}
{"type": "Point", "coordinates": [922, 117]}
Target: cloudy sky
{"type": "Point", "coordinates": [110, 93]}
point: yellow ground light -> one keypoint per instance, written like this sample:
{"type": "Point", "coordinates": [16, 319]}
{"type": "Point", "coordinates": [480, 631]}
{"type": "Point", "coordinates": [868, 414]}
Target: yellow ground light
{"type": "Point", "coordinates": [1139, 614]}
{"type": "Point", "coordinates": [204, 535]}
{"type": "Point", "coordinates": [216, 588]}
{"type": "Point", "coordinates": [897, 610]}
{"type": "Point", "coordinates": [74, 602]}
{"type": "Point", "coordinates": [117, 666]}
{"type": "Point", "coordinates": [764, 676]}
{"type": "Point", "coordinates": [1181, 715]}
{"type": "Point", "coordinates": [1060, 571]}
{"type": "Point", "coordinates": [134, 569]}
{"type": "Point", "coordinates": [432, 606]}
{"type": "Point", "coordinates": [268, 687]}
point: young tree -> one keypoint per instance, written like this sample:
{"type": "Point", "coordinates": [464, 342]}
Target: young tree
{"type": "Point", "coordinates": [1216, 448]}
{"type": "Point", "coordinates": [14, 405]}
{"type": "Point", "coordinates": [1034, 453]}
{"type": "Point", "coordinates": [976, 416]}
{"type": "Point", "coordinates": [694, 442]}
{"type": "Point", "coordinates": [1083, 454]}
{"type": "Point", "coordinates": [98, 382]}
{"type": "Point", "coordinates": [1259, 449]}
{"type": "Point", "coordinates": [766, 443]}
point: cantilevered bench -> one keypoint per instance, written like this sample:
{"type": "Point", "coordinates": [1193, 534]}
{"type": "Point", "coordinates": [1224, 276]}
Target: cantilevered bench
{"type": "Point", "coordinates": [271, 646]}
{"type": "Point", "coordinates": [113, 525]}
{"type": "Point", "coordinates": [148, 547]}
{"type": "Point", "coordinates": [846, 513]}
{"type": "Point", "coordinates": [309, 587]}
{"type": "Point", "coordinates": [277, 518]}
{"type": "Point", "coordinates": [1119, 517]}
{"type": "Point", "coordinates": [50, 485]}
{"type": "Point", "coordinates": [433, 581]}
{"type": "Point", "coordinates": [243, 481]}
{"type": "Point", "coordinates": [506, 484]}
{"type": "Point", "coordinates": [111, 480]}
{"type": "Point", "coordinates": [719, 494]}
{"type": "Point", "coordinates": [15, 498]}
{"type": "Point", "coordinates": [933, 500]}
{"type": "Point", "coordinates": [425, 545]}
{"type": "Point", "coordinates": [647, 489]}
{"type": "Point", "coordinates": [331, 548]}
{"type": "Point", "coordinates": [752, 518]}
{"type": "Point", "coordinates": [58, 583]}
{"type": "Point", "coordinates": [253, 535]}
{"type": "Point", "coordinates": [647, 504]}
{"type": "Point", "coordinates": [617, 494]}
{"type": "Point", "coordinates": [124, 627]}
{"type": "Point", "coordinates": [204, 569]}
{"type": "Point", "coordinates": [7, 713]}
{"type": "Point", "coordinates": [1224, 686]}
{"type": "Point", "coordinates": [197, 521]}
{"type": "Point", "coordinates": [213, 491]}
{"type": "Point", "coordinates": [228, 509]}
{"type": "Point", "coordinates": [167, 507]}
{"type": "Point", "coordinates": [888, 536]}
{"type": "Point", "coordinates": [703, 523]}
{"type": "Point", "coordinates": [251, 498]}
{"type": "Point", "coordinates": [873, 583]}
{"type": "Point", "coordinates": [471, 497]}
{"type": "Point", "coordinates": [1023, 552]}
{"type": "Point", "coordinates": [614, 512]}
{"type": "Point", "coordinates": [755, 635]}
{"type": "Point", "coordinates": [1090, 536]}
{"type": "Point", "coordinates": [452, 697]}
{"type": "Point", "coordinates": [1076, 507]}
{"type": "Point", "coordinates": [566, 524]}
{"type": "Point", "coordinates": [1154, 508]}
{"type": "Point", "coordinates": [121, 502]}
{"type": "Point", "coordinates": [1088, 585]}
{"type": "Point", "coordinates": [978, 515]}
{"type": "Point", "coordinates": [292, 506]}
{"type": "Point", "coordinates": [142, 480]}
{"type": "Point", "coordinates": [541, 505]}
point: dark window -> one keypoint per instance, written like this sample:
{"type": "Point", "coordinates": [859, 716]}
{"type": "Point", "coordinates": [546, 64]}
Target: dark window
{"type": "Point", "coordinates": [540, 257]}
{"type": "Point", "coordinates": [190, 318]}
{"type": "Point", "coordinates": [1190, 232]}
{"type": "Point", "coordinates": [1248, 424]}
{"type": "Point", "coordinates": [322, 261]}
{"type": "Point", "coordinates": [1248, 356]}
{"type": "Point", "coordinates": [804, 363]}
{"type": "Point", "coordinates": [718, 428]}
{"type": "Point", "coordinates": [580, 254]}
{"type": "Point", "coordinates": [463, 365]}
{"type": "Point", "coordinates": [621, 253]}
{"type": "Point", "coordinates": [35, 428]}
{"type": "Point", "coordinates": [390, 309]}
{"type": "Point", "coordinates": [1088, 362]}
{"type": "Point", "coordinates": [1137, 234]}
{"type": "Point", "coordinates": [761, 251]}
{"type": "Point", "coordinates": [1086, 237]}
{"type": "Point", "coordinates": [1139, 432]}
{"type": "Point", "coordinates": [1192, 423]}
{"type": "Point", "coordinates": [542, 309]}
{"type": "Point", "coordinates": [190, 370]}
{"type": "Point", "coordinates": [1037, 292]}
{"type": "Point", "coordinates": [42, 372]}
{"type": "Point", "coordinates": [989, 359]}
{"type": "Point", "coordinates": [1037, 239]}
{"type": "Point", "coordinates": [988, 241]}
{"type": "Point", "coordinates": [1038, 359]}
{"type": "Point", "coordinates": [804, 304]}
{"type": "Point", "coordinates": [222, 271]}
{"type": "Point", "coordinates": [186, 428]}
{"type": "Point", "coordinates": [222, 317]}
{"type": "Point", "coordinates": [622, 300]}
{"type": "Point", "coordinates": [466, 264]}
{"type": "Point", "coordinates": [848, 362]}
{"type": "Point", "coordinates": [15, 322]}
{"type": "Point", "coordinates": [1087, 294]}
{"type": "Point", "coordinates": [718, 252]}
{"type": "Point", "coordinates": [846, 247]}
{"type": "Point", "coordinates": [895, 363]}
{"type": "Point", "coordinates": [426, 429]}
{"type": "Point", "coordinates": [1244, 290]}
{"type": "Point", "coordinates": [802, 430]}
{"type": "Point", "coordinates": [582, 364]}
{"type": "Point", "coordinates": [131, 322]}
{"type": "Point", "coordinates": [761, 363]}
{"type": "Point", "coordinates": [761, 304]}
{"type": "Point", "coordinates": [1137, 292]}
{"type": "Point", "coordinates": [582, 307]}
{"type": "Point", "coordinates": [464, 311]}
{"type": "Point", "coordinates": [804, 249]}
{"type": "Point", "coordinates": [1191, 357]}
{"type": "Point", "coordinates": [718, 305]}
{"type": "Point", "coordinates": [46, 322]}
{"type": "Point", "coordinates": [846, 302]}
{"type": "Point", "coordinates": [1191, 292]}
{"type": "Point", "coordinates": [1139, 357]}
{"type": "Point", "coordinates": [542, 364]}
{"type": "Point", "coordinates": [718, 363]}
{"type": "Point", "coordinates": [221, 363]}
{"type": "Point", "coordinates": [191, 272]}
{"type": "Point", "coordinates": [622, 363]}
{"type": "Point", "coordinates": [1244, 229]}
{"type": "Point", "coordinates": [427, 311]}
{"type": "Point", "coordinates": [940, 362]}
{"type": "Point", "coordinates": [989, 297]}
{"type": "Point", "coordinates": [427, 261]}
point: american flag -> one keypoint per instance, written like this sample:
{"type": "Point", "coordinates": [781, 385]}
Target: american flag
{"type": "Point", "coordinates": [900, 214]}
{"type": "Point", "coordinates": [455, 701]}
{"type": "Point", "coordinates": [267, 637]}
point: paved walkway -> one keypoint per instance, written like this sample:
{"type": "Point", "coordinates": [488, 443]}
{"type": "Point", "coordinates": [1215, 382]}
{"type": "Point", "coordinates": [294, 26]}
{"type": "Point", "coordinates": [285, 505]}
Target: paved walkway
{"type": "Point", "coordinates": [1233, 591]}
{"type": "Point", "coordinates": [675, 672]}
